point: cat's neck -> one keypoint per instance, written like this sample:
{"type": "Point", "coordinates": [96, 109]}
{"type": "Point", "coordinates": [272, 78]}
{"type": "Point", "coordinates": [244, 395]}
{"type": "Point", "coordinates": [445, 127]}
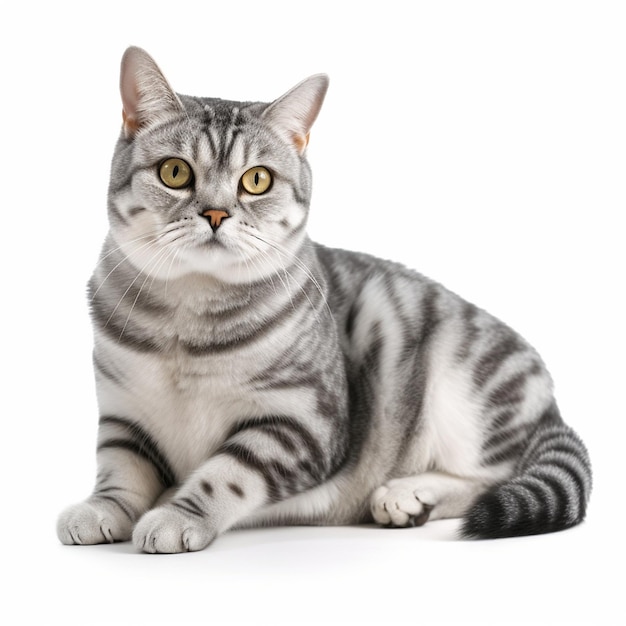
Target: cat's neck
{"type": "Point", "coordinates": [208, 293]}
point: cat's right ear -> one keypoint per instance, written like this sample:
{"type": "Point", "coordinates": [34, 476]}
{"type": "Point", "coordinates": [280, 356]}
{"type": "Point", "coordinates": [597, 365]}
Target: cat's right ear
{"type": "Point", "coordinates": [146, 94]}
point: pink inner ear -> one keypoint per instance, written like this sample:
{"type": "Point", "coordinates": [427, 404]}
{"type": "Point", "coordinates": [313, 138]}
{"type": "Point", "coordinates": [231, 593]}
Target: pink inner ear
{"type": "Point", "coordinates": [146, 94]}
{"type": "Point", "coordinates": [293, 113]}
{"type": "Point", "coordinates": [130, 124]}
{"type": "Point", "coordinates": [129, 93]}
{"type": "Point", "coordinates": [301, 142]}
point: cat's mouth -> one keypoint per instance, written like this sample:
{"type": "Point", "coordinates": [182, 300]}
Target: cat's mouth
{"type": "Point", "coordinates": [209, 243]}
{"type": "Point", "coordinates": [212, 241]}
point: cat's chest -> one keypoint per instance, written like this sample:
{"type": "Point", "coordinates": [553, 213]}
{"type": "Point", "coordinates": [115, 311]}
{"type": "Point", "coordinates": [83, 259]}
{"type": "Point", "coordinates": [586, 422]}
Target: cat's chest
{"type": "Point", "coordinates": [189, 406]}
{"type": "Point", "coordinates": [207, 376]}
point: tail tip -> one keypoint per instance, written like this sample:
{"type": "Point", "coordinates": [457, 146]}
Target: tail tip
{"type": "Point", "coordinates": [499, 514]}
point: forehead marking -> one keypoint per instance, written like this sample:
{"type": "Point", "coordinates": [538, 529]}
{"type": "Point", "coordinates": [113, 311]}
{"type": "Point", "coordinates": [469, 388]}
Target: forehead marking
{"type": "Point", "coordinates": [222, 128]}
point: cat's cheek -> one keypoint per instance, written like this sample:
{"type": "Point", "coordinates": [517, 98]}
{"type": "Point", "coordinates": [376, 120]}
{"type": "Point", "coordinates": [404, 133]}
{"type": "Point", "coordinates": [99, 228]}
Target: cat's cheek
{"type": "Point", "coordinates": [294, 218]}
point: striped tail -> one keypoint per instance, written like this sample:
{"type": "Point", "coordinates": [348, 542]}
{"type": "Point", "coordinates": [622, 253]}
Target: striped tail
{"type": "Point", "coordinates": [549, 491]}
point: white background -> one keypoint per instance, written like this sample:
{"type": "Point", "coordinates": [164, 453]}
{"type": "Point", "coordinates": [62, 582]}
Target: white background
{"type": "Point", "coordinates": [483, 143]}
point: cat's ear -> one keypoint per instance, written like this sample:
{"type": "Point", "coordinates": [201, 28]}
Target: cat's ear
{"type": "Point", "coordinates": [146, 94]}
{"type": "Point", "coordinates": [293, 114]}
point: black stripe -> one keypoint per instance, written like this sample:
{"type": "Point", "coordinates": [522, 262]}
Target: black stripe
{"type": "Point", "coordinates": [502, 419]}
{"type": "Point", "coordinates": [555, 441]}
{"type": "Point", "coordinates": [189, 506]}
{"type": "Point", "coordinates": [251, 335]}
{"type": "Point", "coordinates": [512, 390]}
{"type": "Point", "coordinates": [209, 113]}
{"type": "Point", "coordinates": [115, 215]}
{"type": "Point", "coordinates": [491, 361]}
{"type": "Point", "coordinates": [538, 489]}
{"type": "Point", "coordinates": [230, 312]}
{"type": "Point", "coordinates": [419, 345]}
{"type": "Point", "coordinates": [123, 507]}
{"type": "Point", "coordinates": [560, 497]}
{"type": "Point", "coordinates": [274, 424]}
{"type": "Point", "coordinates": [560, 448]}
{"type": "Point", "coordinates": [121, 332]}
{"type": "Point", "coordinates": [140, 443]}
{"type": "Point", "coordinates": [509, 392]}
{"type": "Point", "coordinates": [353, 313]}
{"type": "Point", "coordinates": [275, 474]}
{"type": "Point", "coordinates": [284, 430]}
{"type": "Point", "coordinates": [296, 190]}
{"type": "Point", "coordinates": [172, 119]}
{"type": "Point", "coordinates": [511, 450]}
{"type": "Point", "coordinates": [226, 152]}
{"type": "Point", "coordinates": [556, 469]}
{"type": "Point", "coordinates": [363, 381]}
{"type": "Point", "coordinates": [127, 285]}
{"type": "Point", "coordinates": [212, 146]}
{"type": "Point", "coordinates": [573, 470]}
{"type": "Point", "coordinates": [506, 444]}
{"type": "Point", "coordinates": [107, 372]}
{"type": "Point", "coordinates": [506, 435]}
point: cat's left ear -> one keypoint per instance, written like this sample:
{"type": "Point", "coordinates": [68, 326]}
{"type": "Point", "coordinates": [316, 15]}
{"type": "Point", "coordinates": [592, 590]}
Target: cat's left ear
{"type": "Point", "coordinates": [293, 114]}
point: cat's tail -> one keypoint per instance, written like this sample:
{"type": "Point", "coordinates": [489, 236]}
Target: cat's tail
{"type": "Point", "coordinates": [548, 492]}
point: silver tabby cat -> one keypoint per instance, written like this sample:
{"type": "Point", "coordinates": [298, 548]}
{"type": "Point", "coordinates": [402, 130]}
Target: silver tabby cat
{"type": "Point", "coordinates": [247, 376]}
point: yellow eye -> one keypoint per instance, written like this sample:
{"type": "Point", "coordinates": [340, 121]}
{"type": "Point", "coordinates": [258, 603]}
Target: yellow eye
{"type": "Point", "coordinates": [175, 173]}
{"type": "Point", "coordinates": [256, 180]}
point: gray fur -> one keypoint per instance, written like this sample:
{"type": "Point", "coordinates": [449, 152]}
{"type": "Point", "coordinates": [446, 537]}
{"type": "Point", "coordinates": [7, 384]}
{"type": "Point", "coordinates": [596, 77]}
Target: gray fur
{"type": "Point", "coordinates": [264, 379]}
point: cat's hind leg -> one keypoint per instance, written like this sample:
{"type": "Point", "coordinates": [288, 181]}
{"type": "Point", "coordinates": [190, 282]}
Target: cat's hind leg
{"type": "Point", "coordinates": [412, 500]}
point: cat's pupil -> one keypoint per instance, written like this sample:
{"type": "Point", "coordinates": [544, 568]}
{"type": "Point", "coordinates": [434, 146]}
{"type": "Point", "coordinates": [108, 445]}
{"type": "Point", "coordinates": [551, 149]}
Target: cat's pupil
{"type": "Point", "coordinates": [175, 171]}
{"type": "Point", "coordinates": [256, 179]}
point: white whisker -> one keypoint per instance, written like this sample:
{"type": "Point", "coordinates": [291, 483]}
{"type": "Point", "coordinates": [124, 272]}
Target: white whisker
{"type": "Point", "coordinates": [126, 257]}
{"type": "Point", "coordinates": [139, 273]}
{"type": "Point", "coordinates": [258, 250]}
{"type": "Point", "coordinates": [164, 254]}
{"type": "Point", "coordinates": [282, 252]}
{"type": "Point", "coordinates": [169, 270]}
{"type": "Point", "coordinates": [117, 248]}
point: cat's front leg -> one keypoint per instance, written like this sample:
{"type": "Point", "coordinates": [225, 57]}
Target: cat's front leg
{"type": "Point", "coordinates": [264, 460]}
{"type": "Point", "coordinates": [210, 501]}
{"type": "Point", "coordinates": [132, 473]}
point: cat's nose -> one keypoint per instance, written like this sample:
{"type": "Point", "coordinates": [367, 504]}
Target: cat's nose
{"type": "Point", "coordinates": [215, 217]}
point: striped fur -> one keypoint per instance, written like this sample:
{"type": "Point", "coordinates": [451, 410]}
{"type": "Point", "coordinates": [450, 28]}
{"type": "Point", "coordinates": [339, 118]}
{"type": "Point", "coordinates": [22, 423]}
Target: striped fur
{"type": "Point", "coordinates": [248, 376]}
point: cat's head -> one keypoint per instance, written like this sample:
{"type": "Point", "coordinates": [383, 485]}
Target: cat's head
{"type": "Point", "coordinates": [203, 185]}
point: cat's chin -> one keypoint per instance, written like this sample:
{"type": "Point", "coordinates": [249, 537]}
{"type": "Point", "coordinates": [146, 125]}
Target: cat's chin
{"type": "Point", "coordinates": [220, 263]}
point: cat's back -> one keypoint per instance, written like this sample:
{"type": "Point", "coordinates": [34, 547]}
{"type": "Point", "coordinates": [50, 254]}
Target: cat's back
{"type": "Point", "coordinates": [384, 293]}
{"type": "Point", "coordinates": [384, 308]}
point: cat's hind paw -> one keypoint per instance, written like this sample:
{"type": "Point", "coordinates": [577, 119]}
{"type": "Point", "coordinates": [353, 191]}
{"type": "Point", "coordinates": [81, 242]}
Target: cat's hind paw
{"type": "Point", "coordinates": [168, 530]}
{"type": "Point", "coordinates": [92, 522]}
{"type": "Point", "coordinates": [399, 506]}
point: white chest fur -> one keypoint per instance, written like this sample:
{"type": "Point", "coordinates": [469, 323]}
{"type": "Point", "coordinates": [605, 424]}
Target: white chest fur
{"type": "Point", "coordinates": [205, 377]}
{"type": "Point", "coordinates": [187, 404]}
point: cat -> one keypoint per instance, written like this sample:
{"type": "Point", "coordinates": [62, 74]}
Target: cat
{"type": "Point", "coordinates": [247, 376]}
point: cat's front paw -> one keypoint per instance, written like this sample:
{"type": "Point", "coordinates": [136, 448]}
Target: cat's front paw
{"type": "Point", "coordinates": [168, 530]}
{"type": "Point", "coordinates": [93, 522]}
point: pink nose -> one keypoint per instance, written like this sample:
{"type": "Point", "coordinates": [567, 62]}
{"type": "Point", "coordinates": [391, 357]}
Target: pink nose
{"type": "Point", "coordinates": [215, 217]}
